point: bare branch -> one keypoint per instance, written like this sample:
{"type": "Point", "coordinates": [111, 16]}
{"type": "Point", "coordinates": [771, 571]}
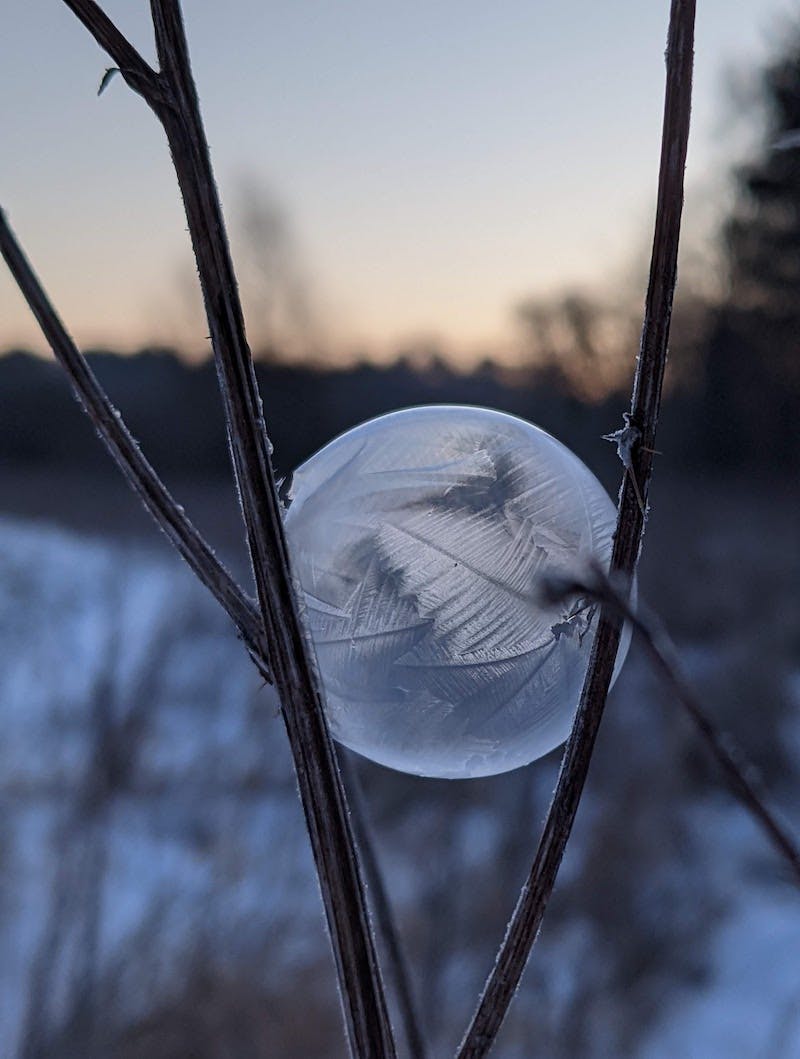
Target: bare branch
{"type": "Point", "coordinates": [645, 403]}
{"type": "Point", "coordinates": [187, 540]}
{"type": "Point", "coordinates": [190, 545]}
{"type": "Point", "coordinates": [139, 75]}
{"type": "Point", "coordinates": [382, 910]}
{"type": "Point", "coordinates": [321, 790]}
{"type": "Point", "coordinates": [139, 474]}
{"type": "Point", "coordinates": [741, 775]}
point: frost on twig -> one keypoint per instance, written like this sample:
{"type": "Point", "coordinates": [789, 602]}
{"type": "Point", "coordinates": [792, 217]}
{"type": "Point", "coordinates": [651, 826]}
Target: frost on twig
{"type": "Point", "coordinates": [626, 438]}
{"type": "Point", "coordinates": [285, 490]}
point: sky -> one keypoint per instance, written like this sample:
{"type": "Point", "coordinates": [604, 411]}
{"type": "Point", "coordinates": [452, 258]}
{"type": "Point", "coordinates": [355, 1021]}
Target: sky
{"type": "Point", "coordinates": [435, 163]}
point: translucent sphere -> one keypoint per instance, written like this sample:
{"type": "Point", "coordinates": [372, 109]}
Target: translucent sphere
{"type": "Point", "coordinates": [418, 539]}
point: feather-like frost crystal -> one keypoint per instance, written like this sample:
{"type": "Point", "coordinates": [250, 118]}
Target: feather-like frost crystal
{"type": "Point", "coordinates": [418, 539]}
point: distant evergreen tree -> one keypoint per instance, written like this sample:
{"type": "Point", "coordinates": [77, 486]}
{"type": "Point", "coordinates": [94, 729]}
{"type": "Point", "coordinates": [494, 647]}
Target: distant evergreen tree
{"type": "Point", "coordinates": [752, 405]}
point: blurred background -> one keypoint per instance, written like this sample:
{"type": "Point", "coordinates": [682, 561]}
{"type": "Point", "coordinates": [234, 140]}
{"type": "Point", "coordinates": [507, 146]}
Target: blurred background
{"type": "Point", "coordinates": [447, 204]}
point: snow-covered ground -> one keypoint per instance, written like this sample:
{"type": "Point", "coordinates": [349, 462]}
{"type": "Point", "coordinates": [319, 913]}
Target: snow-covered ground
{"type": "Point", "coordinates": [155, 877]}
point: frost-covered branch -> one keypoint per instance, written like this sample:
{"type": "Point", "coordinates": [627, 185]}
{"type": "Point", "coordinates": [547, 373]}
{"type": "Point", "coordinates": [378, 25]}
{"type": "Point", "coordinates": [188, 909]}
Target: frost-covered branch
{"type": "Point", "coordinates": [645, 404]}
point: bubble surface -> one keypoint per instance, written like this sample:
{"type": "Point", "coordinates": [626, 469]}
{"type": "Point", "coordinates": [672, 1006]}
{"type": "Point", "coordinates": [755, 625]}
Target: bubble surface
{"type": "Point", "coordinates": [417, 539]}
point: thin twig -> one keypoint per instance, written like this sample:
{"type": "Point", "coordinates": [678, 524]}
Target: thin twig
{"type": "Point", "coordinates": [322, 795]}
{"type": "Point", "coordinates": [397, 967]}
{"type": "Point", "coordinates": [645, 403]}
{"type": "Point", "coordinates": [169, 516]}
{"type": "Point", "coordinates": [137, 471]}
{"type": "Point", "coordinates": [742, 775]}
{"type": "Point", "coordinates": [138, 73]}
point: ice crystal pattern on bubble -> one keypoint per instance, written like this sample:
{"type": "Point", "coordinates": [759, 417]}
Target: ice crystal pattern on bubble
{"type": "Point", "coordinates": [417, 539]}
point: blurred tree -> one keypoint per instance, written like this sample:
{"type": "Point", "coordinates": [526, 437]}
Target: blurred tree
{"type": "Point", "coordinates": [752, 388]}
{"type": "Point", "coordinates": [286, 318]}
{"type": "Point", "coordinates": [282, 312]}
{"type": "Point", "coordinates": [586, 341]}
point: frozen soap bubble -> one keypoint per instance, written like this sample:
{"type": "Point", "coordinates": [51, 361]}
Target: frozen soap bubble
{"type": "Point", "coordinates": [417, 539]}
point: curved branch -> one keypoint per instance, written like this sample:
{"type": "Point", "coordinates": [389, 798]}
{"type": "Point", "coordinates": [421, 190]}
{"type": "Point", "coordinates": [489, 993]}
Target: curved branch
{"type": "Point", "coordinates": [741, 775]}
{"type": "Point", "coordinates": [526, 920]}
{"type": "Point", "coordinates": [138, 472]}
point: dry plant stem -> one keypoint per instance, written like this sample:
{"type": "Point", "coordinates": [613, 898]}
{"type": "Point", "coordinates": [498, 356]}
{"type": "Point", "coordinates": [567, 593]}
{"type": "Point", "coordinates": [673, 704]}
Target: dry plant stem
{"type": "Point", "coordinates": [128, 456]}
{"type": "Point", "coordinates": [397, 967]}
{"type": "Point", "coordinates": [741, 776]}
{"type": "Point", "coordinates": [527, 917]}
{"type": "Point", "coordinates": [187, 540]}
{"type": "Point", "coordinates": [173, 97]}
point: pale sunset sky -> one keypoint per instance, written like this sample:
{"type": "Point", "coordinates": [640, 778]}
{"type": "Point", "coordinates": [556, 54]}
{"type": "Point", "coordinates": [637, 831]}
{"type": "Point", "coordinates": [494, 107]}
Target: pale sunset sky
{"type": "Point", "coordinates": [437, 161]}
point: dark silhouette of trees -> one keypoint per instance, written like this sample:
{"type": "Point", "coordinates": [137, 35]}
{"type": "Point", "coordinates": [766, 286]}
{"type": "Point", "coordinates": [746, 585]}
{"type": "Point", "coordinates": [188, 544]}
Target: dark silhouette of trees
{"type": "Point", "coordinates": [752, 385]}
